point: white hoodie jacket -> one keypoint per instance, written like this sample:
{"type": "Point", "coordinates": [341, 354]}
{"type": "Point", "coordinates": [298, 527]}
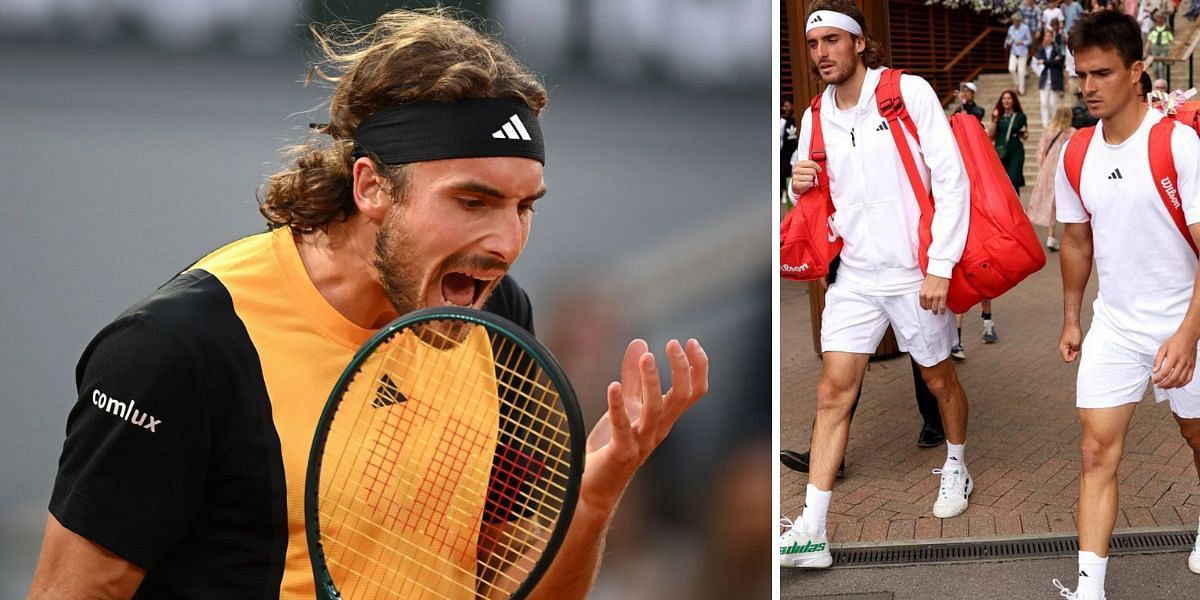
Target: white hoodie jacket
{"type": "Point", "coordinates": [876, 210]}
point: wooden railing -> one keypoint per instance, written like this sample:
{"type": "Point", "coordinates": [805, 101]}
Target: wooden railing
{"type": "Point", "coordinates": [945, 46]}
{"type": "Point", "coordinates": [1186, 55]}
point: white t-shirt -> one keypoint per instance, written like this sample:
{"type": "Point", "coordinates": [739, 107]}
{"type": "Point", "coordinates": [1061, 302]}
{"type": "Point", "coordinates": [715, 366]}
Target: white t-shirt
{"type": "Point", "coordinates": [1049, 15]}
{"type": "Point", "coordinates": [1146, 268]}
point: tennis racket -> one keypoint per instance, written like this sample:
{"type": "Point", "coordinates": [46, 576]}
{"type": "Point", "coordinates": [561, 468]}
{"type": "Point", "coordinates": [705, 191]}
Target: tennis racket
{"type": "Point", "coordinates": [446, 463]}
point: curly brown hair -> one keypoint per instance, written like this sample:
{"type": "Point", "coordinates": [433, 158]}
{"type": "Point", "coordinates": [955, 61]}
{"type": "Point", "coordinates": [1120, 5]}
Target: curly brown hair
{"type": "Point", "coordinates": [405, 56]}
{"type": "Point", "coordinates": [872, 56]}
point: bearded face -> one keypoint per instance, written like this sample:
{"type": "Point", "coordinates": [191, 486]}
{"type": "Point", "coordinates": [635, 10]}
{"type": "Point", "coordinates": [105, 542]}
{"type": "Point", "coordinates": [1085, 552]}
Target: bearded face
{"type": "Point", "coordinates": [835, 53]}
{"type": "Point", "coordinates": [461, 279]}
{"type": "Point", "coordinates": [457, 230]}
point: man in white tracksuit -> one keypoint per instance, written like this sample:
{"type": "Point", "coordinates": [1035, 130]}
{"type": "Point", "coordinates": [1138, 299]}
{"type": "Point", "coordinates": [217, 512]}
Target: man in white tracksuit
{"type": "Point", "coordinates": [879, 281]}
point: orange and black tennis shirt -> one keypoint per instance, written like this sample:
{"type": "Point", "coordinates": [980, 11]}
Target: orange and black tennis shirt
{"type": "Point", "coordinates": [187, 447]}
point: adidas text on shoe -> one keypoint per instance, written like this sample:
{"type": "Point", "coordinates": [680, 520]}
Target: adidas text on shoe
{"type": "Point", "coordinates": [955, 488]}
{"type": "Point", "coordinates": [800, 548]}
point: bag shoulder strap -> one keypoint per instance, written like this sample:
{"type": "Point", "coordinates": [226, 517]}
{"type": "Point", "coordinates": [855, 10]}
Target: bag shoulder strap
{"type": "Point", "coordinates": [891, 105]}
{"type": "Point", "coordinates": [1012, 119]}
{"type": "Point", "coordinates": [1053, 140]}
{"type": "Point", "coordinates": [1073, 156]}
{"type": "Point", "coordinates": [890, 100]}
{"type": "Point", "coordinates": [1166, 177]}
{"type": "Point", "coordinates": [816, 149]}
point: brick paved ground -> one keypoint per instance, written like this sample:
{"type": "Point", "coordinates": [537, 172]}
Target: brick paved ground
{"type": "Point", "coordinates": [1023, 436]}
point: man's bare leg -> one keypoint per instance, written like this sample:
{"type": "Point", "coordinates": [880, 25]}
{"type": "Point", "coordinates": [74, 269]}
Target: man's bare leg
{"type": "Point", "coordinates": [1102, 446]}
{"type": "Point", "coordinates": [955, 487]}
{"type": "Point", "coordinates": [841, 374]}
{"type": "Point", "coordinates": [805, 545]}
{"type": "Point", "coordinates": [1190, 428]}
{"type": "Point", "coordinates": [942, 381]}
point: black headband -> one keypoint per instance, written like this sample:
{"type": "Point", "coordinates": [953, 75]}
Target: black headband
{"type": "Point", "coordinates": [468, 128]}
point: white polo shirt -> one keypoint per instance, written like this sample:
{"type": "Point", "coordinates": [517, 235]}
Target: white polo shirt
{"type": "Point", "coordinates": [1146, 268]}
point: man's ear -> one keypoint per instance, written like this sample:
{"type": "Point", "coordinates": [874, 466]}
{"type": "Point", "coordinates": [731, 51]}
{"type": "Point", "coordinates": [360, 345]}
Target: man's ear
{"type": "Point", "coordinates": [372, 190]}
{"type": "Point", "coordinates": [1135, 71]}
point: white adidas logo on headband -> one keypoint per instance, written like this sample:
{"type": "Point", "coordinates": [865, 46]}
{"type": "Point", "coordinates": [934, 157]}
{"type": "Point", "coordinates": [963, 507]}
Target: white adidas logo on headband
{"type": "Point", "coordinates": [514, 129]}
{"type": "Point", "coordinates": [829, 18]}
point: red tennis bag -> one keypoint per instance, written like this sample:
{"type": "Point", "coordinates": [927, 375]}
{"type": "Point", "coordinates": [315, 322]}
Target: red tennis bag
{"type": "Point", "coordinates": [1189, 114]}
{"type": "Point", "coordinates": [1002, 248]}
{"type": "Point", "coordinates": [1162, 163]}
{"type": "Point", "coordinates": [807, 243]}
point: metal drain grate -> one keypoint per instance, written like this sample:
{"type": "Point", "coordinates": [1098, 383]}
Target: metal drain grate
{"type": "Point", "coordinates": [937, 552]}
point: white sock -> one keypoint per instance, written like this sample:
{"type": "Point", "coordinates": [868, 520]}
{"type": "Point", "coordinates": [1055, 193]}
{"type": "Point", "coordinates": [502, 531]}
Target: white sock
{"type": "Point", "coordinates": [954, 455]}
{"type": "Point", "coordinates": [1091, 573]}
{"type": "Point", "coordinates": [816, 508]}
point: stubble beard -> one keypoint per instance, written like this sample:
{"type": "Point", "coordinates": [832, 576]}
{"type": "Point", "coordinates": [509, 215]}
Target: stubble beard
{"type": "Point", "coordinates": [840, 75]}
{"type": "Point", "coordinates": [394, 262]}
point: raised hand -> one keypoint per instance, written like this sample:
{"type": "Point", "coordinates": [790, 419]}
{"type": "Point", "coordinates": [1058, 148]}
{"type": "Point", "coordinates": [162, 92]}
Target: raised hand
{"type": "Point", "coordinates": [639, 417]}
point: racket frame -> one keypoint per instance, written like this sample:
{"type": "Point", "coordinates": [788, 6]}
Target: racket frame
{"type": "Point", "coordinates": [326, 589]}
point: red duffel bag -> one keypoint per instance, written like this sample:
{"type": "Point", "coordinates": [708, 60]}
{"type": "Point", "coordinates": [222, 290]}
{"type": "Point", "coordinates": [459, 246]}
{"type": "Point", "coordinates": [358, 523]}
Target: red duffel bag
{"type": "Point", "coordinates": [1188, 113]}
{"type": "Point", "coordinates": [807, 243]}
{"type": "Point", "coordinates": [1002, 248]}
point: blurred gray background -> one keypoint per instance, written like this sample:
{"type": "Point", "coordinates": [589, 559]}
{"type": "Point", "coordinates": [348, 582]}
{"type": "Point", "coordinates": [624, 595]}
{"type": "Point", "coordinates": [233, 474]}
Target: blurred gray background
{"type": "Point", "coordinates": [135, 134]}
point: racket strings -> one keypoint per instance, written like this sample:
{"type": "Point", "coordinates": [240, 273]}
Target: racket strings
{"type": "Point", "coordinates": [462, 515]}
{"type": "Point", "coordinates": [356, 512]}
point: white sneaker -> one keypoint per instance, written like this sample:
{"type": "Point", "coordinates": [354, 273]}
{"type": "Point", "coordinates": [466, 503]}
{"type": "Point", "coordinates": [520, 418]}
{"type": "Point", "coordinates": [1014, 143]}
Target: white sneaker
{"type": "Point", "coordinates": [989, 332]}
{"type": "Point", "coordinates": [952, 495]}
{"type": "Point", "coordinates": [1194, 559]}
{"type": "Point", "coordinates": [1065, 592]}
{"type": "Point", "coordinates": [801, 548]}
{"type": "Point", "coordinates": [1052, 242]}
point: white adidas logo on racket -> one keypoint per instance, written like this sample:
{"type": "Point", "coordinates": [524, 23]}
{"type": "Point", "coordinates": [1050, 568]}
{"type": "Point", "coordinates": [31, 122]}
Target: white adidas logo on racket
{"type": "Point", "coordinates": [514, 129]}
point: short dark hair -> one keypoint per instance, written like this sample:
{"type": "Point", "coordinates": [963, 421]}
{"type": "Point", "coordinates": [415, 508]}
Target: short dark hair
{"type": "Point", "coordinates": [1108, 30]}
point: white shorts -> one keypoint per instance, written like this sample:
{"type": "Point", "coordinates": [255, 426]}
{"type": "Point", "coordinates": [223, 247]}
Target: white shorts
{"type": "Point", "coordinates": [1112, 375]}
{"type": "Point", "coordinates": [854, 322]}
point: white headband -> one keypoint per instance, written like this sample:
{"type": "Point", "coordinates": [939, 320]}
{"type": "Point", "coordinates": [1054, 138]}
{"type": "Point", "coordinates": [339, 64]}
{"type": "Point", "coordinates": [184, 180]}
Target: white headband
{"type": "Point", "coordinates": [829, 18]}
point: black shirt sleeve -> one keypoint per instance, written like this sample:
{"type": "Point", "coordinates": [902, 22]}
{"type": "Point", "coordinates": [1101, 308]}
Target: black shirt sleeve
{"type": "Point", "coordinates": [132, 470]}
{"type": "Point", "coordinates": [512, 303]}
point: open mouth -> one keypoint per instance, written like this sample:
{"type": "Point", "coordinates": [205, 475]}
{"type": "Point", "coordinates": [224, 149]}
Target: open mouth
{"type": "Point", "coordinates": [461, 289]}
